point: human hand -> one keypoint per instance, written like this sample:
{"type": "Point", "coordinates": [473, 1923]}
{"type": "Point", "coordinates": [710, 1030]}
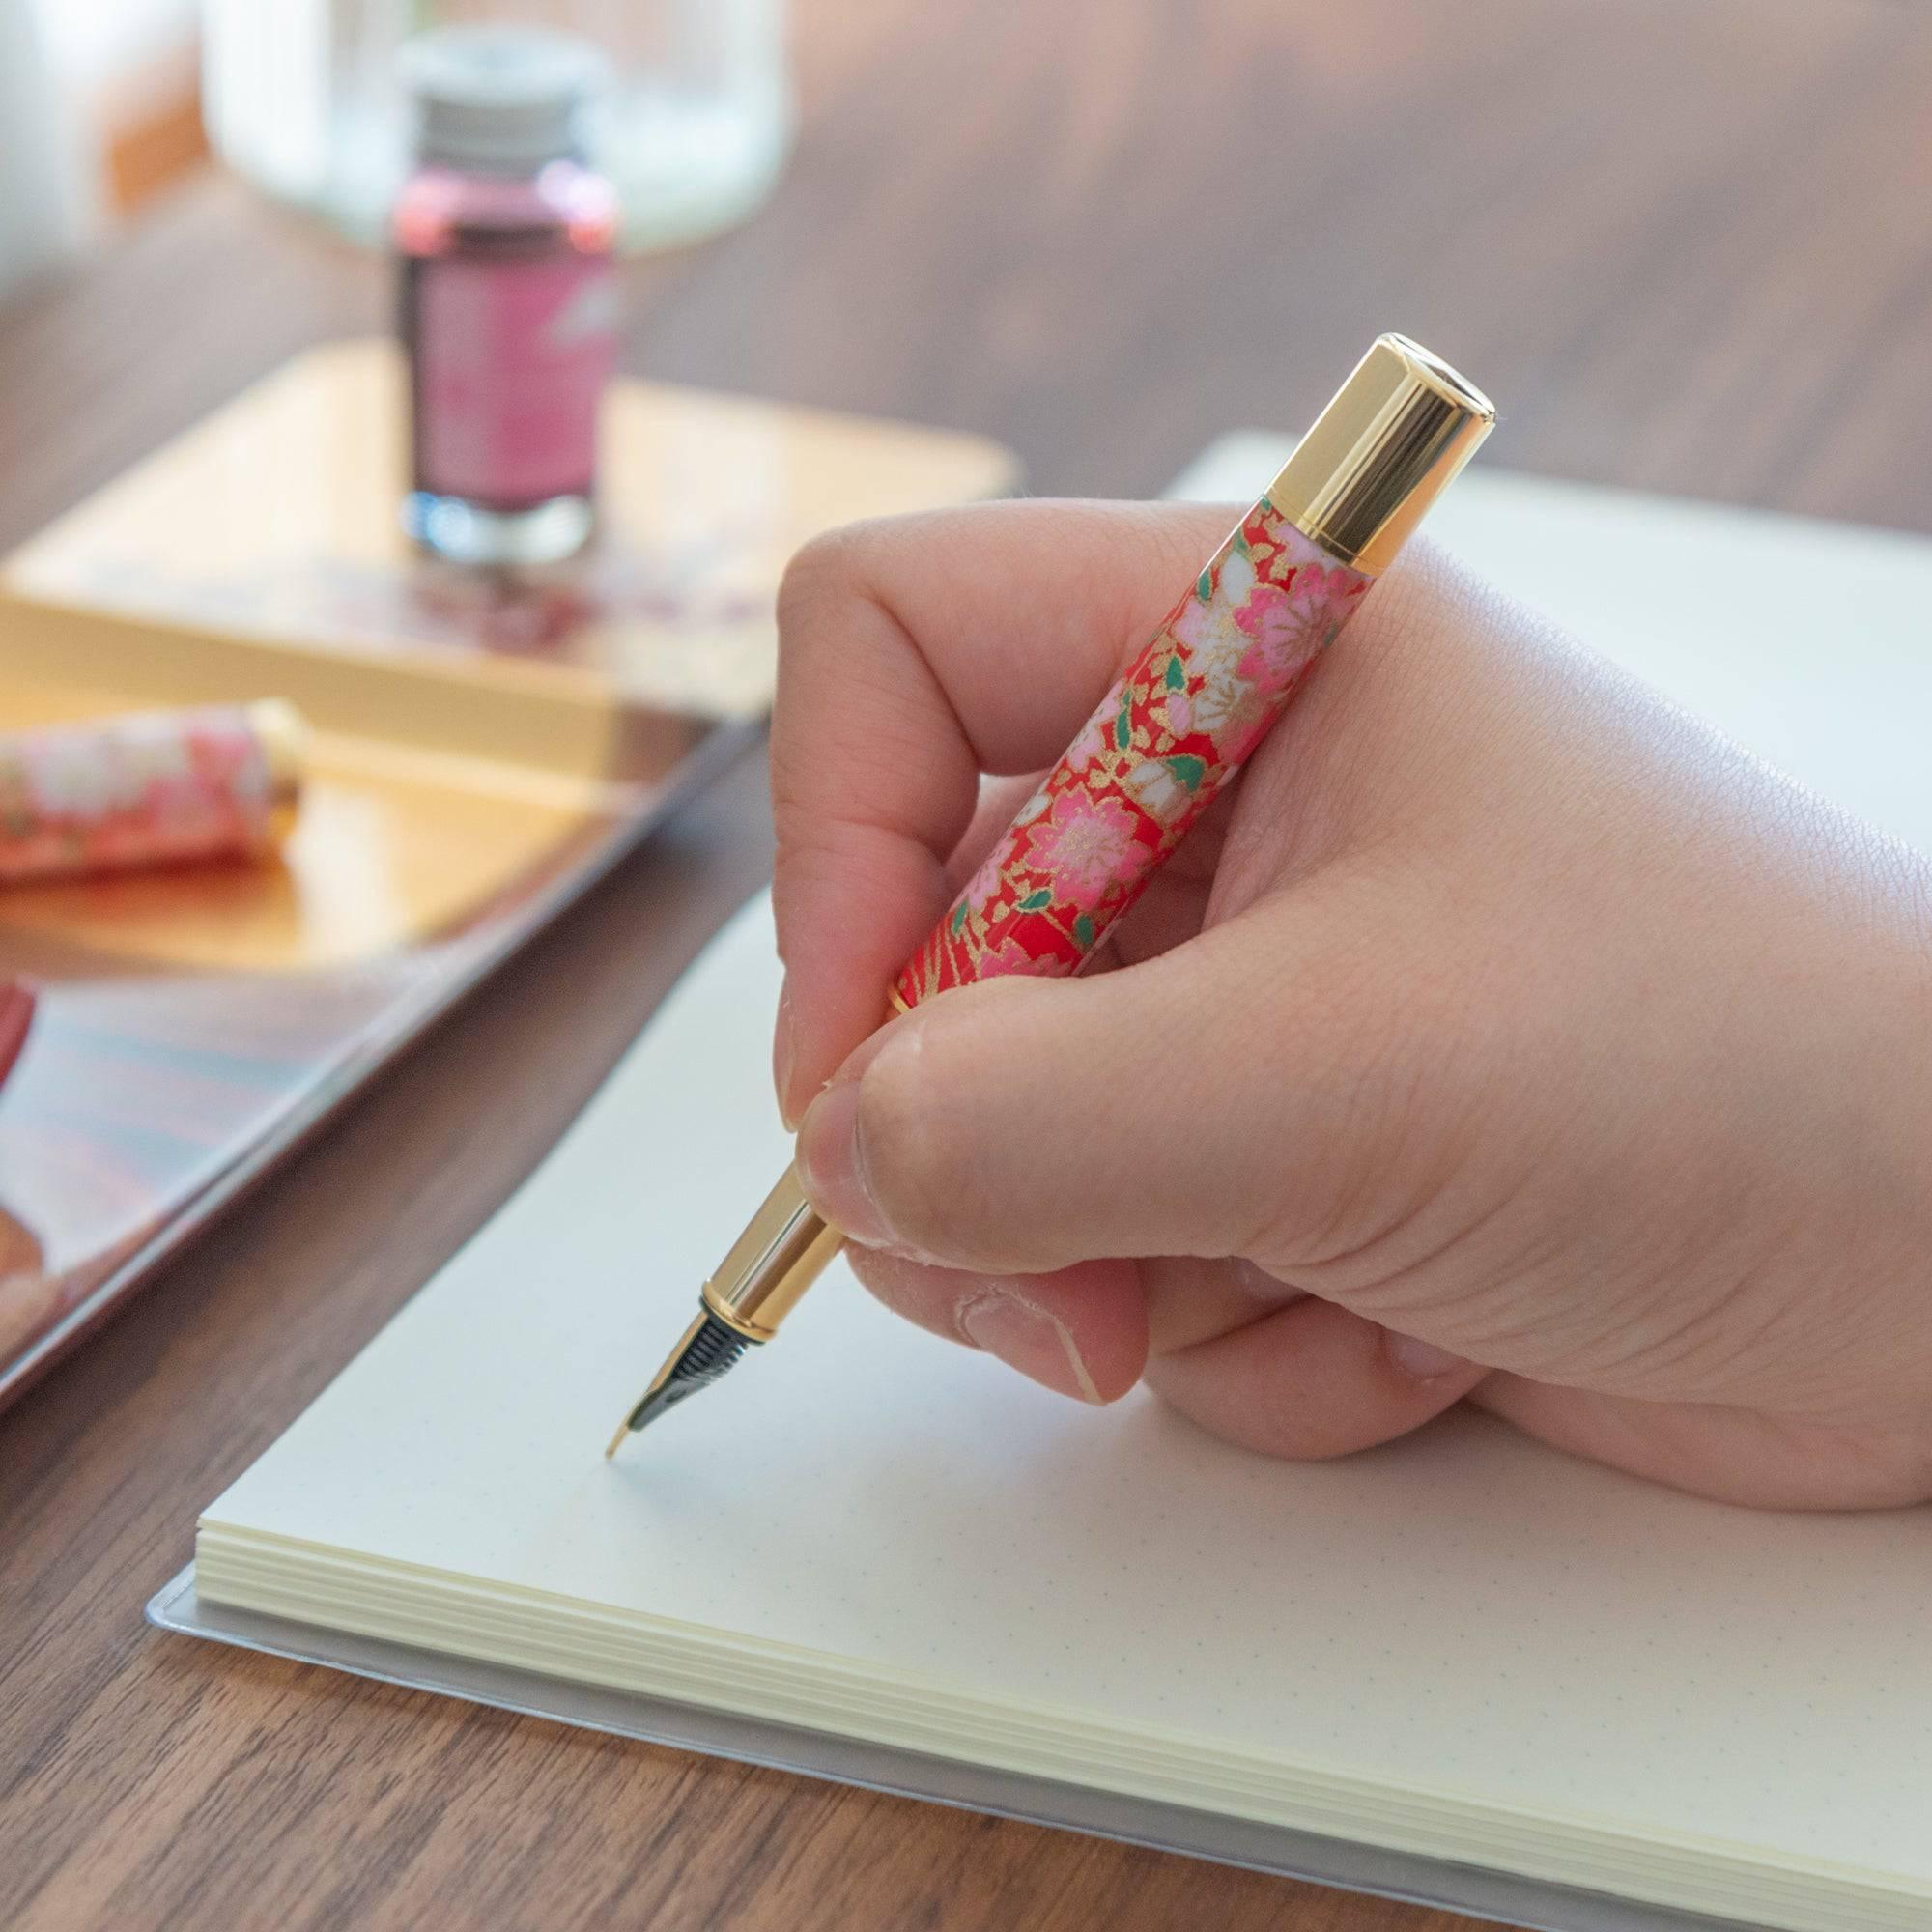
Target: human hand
{"type": "Point", "coordinates": [1502, 1036]}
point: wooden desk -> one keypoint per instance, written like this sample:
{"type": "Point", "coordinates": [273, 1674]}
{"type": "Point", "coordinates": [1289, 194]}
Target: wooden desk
{"type": "Point", "coordinates": [1688, 248]}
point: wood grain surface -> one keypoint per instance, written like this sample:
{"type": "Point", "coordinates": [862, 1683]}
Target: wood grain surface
{"type": "Point", "coordinates": [1687, 248]}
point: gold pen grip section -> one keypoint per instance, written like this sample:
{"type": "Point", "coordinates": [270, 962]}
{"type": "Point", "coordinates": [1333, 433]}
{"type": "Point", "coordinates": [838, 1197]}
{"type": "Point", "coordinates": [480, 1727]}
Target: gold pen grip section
{"type": "Point", "coordinates": [1394, 437]}
{"type": "Point", "coordinates": [779, 1255]}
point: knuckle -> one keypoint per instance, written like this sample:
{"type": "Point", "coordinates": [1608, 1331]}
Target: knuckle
{"type": "Point", "coordinates": [823, 564]}
{"type": "Point", "coordinates": [823, 585]}
{"type": "Point", "coordinates": [828, 573]}
{"type": "Point", "coordinates": [835, 566]}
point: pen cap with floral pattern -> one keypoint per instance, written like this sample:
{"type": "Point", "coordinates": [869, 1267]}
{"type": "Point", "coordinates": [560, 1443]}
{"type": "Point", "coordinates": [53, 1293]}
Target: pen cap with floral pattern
{"type": "Point", "coordinates": [1222, 668]}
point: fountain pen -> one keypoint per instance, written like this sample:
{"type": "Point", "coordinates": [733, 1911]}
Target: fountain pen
{"type": "Point", "coordinates": [1161, 744]}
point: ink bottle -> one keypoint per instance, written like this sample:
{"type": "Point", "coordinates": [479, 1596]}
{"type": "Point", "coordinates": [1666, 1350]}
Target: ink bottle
{"type": "Point", "coordinates": [508, 296]}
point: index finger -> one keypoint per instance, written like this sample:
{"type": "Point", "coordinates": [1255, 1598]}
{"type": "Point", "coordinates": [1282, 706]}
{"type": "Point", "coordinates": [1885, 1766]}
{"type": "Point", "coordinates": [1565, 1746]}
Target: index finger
{"type": "Point", "coordinates": [917, 654]}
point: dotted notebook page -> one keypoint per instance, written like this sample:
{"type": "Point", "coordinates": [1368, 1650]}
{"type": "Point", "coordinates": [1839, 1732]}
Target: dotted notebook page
{"type": "Point", "coordinates": [1462, 1612]}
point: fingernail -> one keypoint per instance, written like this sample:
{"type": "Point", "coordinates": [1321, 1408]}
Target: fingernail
{"type": "Point", "coordinates": [1030, 1339]}
{"type": "Point", "coordinates": [1423, 1361]}
{"type": "Point", "coordinates": [831, 1155]}
{"type": "Point", "coordinates": [785, 1056]}
{"type": "Point", "coordinates": [832, 1165]}
{"type": "Point", "coordinates": [1269, 1289]}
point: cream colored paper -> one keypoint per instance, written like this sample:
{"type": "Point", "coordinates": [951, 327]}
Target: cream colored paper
{"type": "Point", "coordinates": [1461, 1644]}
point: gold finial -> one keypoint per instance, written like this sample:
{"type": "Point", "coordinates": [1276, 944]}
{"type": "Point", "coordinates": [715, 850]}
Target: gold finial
{"type": "Point", "coordinates": [1392, 441]}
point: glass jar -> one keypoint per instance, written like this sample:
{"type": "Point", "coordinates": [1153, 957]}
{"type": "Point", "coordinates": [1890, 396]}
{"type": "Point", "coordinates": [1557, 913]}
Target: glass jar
{"type": "Point", "coordinates": [302, 97]}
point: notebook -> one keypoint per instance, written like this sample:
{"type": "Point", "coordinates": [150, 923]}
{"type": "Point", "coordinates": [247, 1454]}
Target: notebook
{"type": "Point", "coordinates": [1462, 1650]}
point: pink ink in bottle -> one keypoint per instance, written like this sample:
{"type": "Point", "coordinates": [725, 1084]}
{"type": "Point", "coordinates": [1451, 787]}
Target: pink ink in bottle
{"type": "Point", "coordinates": [509, 304]}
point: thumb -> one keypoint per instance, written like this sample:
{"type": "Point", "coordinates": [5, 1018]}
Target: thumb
{"type": "Point", "coordinates": [1203, 1103]}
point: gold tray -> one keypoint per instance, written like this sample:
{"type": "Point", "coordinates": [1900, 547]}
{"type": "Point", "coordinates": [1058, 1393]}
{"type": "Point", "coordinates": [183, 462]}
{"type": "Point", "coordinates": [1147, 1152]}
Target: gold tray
{"type": "Point", "coordinates": [485, 747]}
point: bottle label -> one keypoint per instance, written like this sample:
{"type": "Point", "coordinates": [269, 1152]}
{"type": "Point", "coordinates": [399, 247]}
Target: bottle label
{"type": "Point", "coordinates": [511, 357]}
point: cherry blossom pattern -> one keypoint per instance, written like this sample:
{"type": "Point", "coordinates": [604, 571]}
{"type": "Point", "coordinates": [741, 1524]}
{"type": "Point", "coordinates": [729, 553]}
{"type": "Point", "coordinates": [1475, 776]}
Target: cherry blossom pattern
{"type": "Point", "coordinates": [1150, 760]}
{"type": "Point", "coordinates": [142, 790]}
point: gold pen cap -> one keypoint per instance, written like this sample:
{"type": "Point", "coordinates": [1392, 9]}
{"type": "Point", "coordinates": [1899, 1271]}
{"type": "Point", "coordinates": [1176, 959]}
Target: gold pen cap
{"type": "Point", "coordinates": [282, 732]}
{"type": "Point", "coordinates": [1392, 441]}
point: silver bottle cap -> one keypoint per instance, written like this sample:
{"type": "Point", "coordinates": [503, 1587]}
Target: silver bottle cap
{"type": "Point", "coordinates": [498, 99]}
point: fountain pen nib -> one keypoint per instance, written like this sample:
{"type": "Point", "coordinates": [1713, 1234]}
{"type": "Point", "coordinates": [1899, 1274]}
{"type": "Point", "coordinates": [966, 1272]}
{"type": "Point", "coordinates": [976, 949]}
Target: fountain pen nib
{"type": "Point", "coordinates": [706, 1351]}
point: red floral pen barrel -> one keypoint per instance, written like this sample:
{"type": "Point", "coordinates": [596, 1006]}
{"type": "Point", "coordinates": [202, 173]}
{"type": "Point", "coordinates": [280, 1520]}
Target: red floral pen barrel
{"type": "Point", "coordinates": [1186, 715]}
{"type": "Point", "coordinates": [1156, 752]}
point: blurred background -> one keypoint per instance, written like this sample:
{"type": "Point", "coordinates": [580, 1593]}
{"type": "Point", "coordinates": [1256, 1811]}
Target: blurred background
{"type": "Point", "coordinates": [1688, 247]}
{"type": "Point", "coordinates": [112, 99]}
